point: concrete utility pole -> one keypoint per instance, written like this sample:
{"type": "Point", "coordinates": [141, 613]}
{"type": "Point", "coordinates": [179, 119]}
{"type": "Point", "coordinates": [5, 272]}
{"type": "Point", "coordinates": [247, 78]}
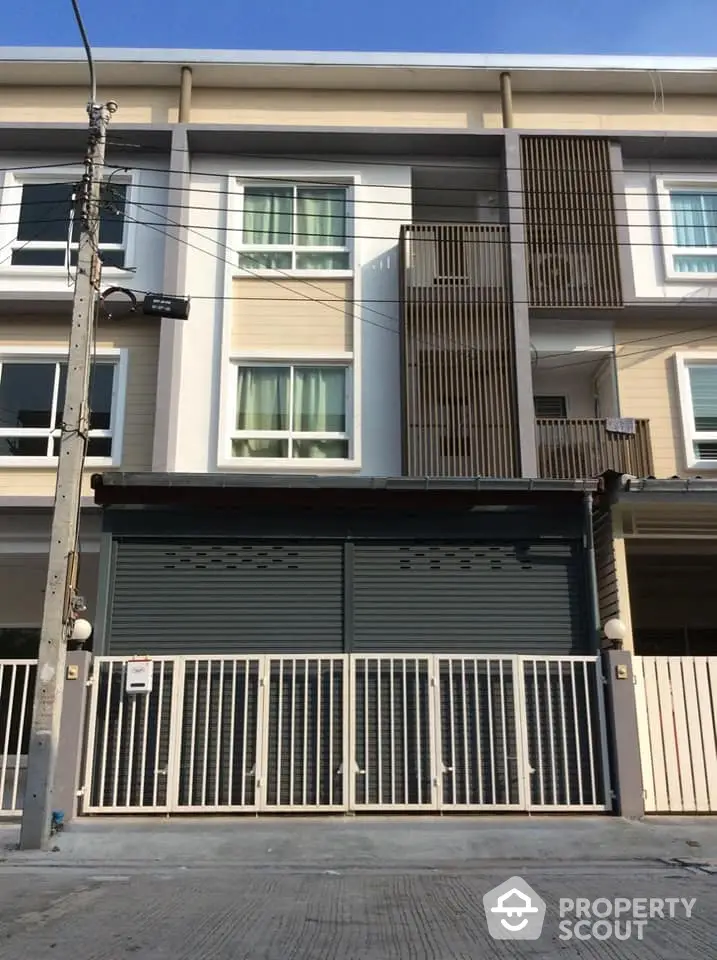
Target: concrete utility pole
{"type": "Point", "coordinates": [59, 608]}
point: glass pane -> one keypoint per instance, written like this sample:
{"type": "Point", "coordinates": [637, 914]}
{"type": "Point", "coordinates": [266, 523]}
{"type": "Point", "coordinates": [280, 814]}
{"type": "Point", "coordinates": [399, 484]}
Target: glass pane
{"type": "Point", "coordinates": [26, 394]}
{"type": "Point", "coordinates": [23, 446]}
{"type": "Point", "coordinates": [96, 447]}
{"type": "Point", "coordinates": [706, 450]}
{"type": "Point", "coordinates": [114, 198]}
{"type": "Point", "coordinates": [101, 380]}
{"type": "Point", "coordinates": [260, 448]}
{"type": "Point", "coordinates": [320, 217]}
{"type": "Point", "coordinates": [32, 257]}
{"type": "Point", "coordinates": [45, 211]}
{"type": "Point", "coordinates": [110, 258]}
{"type": "Point", "coordinates": [262, 398]}
{"type": "Point", "coordinates": [703, 386]}
{"type": "Point", "coordinates": [265, 260]}
{"type": "Point", "coordinates": [333, 449]}
{"type": "Point", "coordinates": [694, 263]}
{"type": "Point", "coordinates": [320, 399]}
{"type": "Point", "coordinates": [322, 261]}
{"type": "Point", "coordinates": [267, 215]}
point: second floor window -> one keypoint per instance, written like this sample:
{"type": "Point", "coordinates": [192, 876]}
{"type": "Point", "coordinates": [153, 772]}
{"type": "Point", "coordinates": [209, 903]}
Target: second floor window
{"type": "Point", "coordinates": [694, 229]}
{"type": "Point", "coordinates": [293, 228]}
{"type": "Point", "coordinates": [48, 227]}
{"type": "Point", "coordinates": [291, 411]}
{"type": "Point", "coordinates": [32, 398]}
{"type": "Point", "coordinates": [703, 403]}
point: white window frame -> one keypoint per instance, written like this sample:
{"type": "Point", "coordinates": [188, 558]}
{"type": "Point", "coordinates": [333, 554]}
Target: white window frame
{"type": "Point", "coordinates": [699, 183]}
{"type": "Point", "coordinates": [683, 362]}
{"type": "Point", "coordinates": [119, 359]}
{"type": "Point", "coordinates": [10, 206]}
{"type": "Point", "coordinates": [290, 464]}
{"type": "Point", "coordinates": [293, 181]}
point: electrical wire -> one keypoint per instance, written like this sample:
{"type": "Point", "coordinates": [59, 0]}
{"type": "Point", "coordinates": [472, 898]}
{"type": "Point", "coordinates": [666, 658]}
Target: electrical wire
{"type": "Point", "coordinates": [441, 340]}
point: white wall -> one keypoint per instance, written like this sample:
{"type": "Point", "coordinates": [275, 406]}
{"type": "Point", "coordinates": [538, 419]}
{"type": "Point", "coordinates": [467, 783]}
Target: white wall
{"type": "Point", "coordinates": [648, 261]}
{"type": "Point", "coordinates": [575, 385]}
{"type": "Point", "coordinates": [145, 245]}
{"type": "Point", "coordinates": [382, 202]}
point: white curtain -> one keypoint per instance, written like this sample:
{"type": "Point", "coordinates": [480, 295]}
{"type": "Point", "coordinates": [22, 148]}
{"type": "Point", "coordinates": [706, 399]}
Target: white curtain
{"type": "Point", "coordinates": [695, 225]}
{"type": "Point", "coordinates": [267, 215]}
{"type": "Point", "coordinates": [321, 222]}
{"type": "Point", "coordinates": [320, 407]}
{"type": "Point", "coordinates": [262, 404]}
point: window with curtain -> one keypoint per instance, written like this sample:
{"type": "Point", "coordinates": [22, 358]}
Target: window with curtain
{"type": "Point", "coordinates": [694, 230]}
{"type": "Point", "coordinates": [293, 227]}
{"type": "Point", "coordinates": [291, 411]}
{"type": "Point", "coordinates": [702, 379]}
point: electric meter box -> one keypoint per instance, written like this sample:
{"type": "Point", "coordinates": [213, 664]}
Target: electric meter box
{"type": "Point", "coordinates": [139, 676]}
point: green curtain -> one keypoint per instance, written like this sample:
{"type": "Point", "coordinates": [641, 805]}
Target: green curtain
{"type": "Point", "coordinates": [262, 404]}
{"type": "Point", "coordinates": [320, 407]}
{"type": "Point", "coordinates": [267, 215]}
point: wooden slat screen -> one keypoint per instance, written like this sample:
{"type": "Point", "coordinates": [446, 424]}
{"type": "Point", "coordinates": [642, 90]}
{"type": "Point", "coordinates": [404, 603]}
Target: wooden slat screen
{"type": "Point", "coordinates": [570, 228]}
{"type": "Point", "coordinates": [584, 449]}
{"type": "Point", "coordinates": [458, 352]}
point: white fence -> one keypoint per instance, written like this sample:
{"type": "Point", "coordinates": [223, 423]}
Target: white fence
{"type": "Point", "coordinates": [677, 722]}
{"type": "Point", "coordinates": [348, 733]}
{"type": "Point", "coordinates": [17, 687]}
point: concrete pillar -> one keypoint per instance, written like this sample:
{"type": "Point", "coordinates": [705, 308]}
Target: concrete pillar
{"type": "Point", "coordinates": [623, 737]}
{"type": "Point", "coordinates": [72, 734]}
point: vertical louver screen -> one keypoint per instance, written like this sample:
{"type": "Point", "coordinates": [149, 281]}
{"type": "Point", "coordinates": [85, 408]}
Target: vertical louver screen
{"type": "Point", "coordinates": [571, 234]}
{"type": "Point", "coordinates": [458, 352]}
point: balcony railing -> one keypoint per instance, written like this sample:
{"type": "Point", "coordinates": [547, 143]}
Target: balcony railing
{"type": "Point", "coordinates": [583, 449]}
{"type": "Point", "coordinates": [453, 260]}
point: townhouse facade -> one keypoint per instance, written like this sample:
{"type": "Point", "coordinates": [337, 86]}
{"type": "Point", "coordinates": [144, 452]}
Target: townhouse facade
{"type": "Point", "coordinates": [443, 408]}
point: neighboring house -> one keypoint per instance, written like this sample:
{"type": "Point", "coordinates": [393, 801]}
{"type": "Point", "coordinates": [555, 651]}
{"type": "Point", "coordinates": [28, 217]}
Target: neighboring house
{"type": "Point", "coordinates": [419, 336]}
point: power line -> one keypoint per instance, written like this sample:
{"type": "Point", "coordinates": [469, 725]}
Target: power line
{"type": "Point", "coordinates": [333, 300]}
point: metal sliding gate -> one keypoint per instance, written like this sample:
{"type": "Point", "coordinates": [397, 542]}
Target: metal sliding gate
{"type": "Point", "coordinates": [348, 733]}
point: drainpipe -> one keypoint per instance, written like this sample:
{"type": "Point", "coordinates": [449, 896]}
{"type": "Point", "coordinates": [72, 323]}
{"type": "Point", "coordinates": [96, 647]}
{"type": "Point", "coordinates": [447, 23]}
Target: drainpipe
{"type": "Point", "coordinates": [506, 100]}
{"type": "Point", "coordinates": [592, 568]}
{"type": "Point", "coordinates": [185, 95]}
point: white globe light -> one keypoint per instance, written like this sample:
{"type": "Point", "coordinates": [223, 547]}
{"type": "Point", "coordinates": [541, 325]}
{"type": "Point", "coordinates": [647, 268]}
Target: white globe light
{"type": "Point", "coordinates": [82, 630]}
{"type": "Point", "coordinates": [615, 629]}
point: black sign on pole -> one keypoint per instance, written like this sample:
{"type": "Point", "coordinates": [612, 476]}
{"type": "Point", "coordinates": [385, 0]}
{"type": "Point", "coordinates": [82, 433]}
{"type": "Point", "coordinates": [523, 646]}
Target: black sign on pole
{"type": "Point", "coordinates": [160, 305]}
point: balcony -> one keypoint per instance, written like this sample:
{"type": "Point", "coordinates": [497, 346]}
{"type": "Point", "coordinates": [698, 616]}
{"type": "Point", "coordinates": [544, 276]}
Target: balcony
{"type": "Point", "coordinates": [585, 448]}
{"type": "Point", "coordinates": [451, 262]}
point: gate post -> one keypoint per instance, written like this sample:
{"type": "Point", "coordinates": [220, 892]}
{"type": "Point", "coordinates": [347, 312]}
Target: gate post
{"type": "Point", "coordinates": [72, 734]}
{"type": "Point", "coordinates": [622, 731]}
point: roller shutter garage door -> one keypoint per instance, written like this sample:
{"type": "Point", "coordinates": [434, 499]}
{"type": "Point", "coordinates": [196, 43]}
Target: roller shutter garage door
{"type": "Point", "coordinates": [186, 597]}
{"type": "Point", "coordinates": [526, 597]}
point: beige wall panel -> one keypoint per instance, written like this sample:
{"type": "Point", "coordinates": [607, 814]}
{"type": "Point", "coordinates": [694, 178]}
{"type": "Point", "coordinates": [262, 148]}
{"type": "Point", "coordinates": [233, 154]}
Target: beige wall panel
{"type": "Point", "coordinates": [141, 339]}
{"type": "Point", "coordinates": [604, 112]}
{"type": "Point", "coordinates": [286, 318]}
{"type": "Point", "coordinates": [68, 104]}
{"type": "Point", "coordinates": [648, 384]}
{"type": "Point", "coordinates": [341, 108]}
{"type": "Point", "coordinates": [22, 587]}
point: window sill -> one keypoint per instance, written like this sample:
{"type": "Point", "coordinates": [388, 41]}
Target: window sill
{"type": "Point", "coordinates": [50, 463]}
{"type": "Point", "coordinates": [297, 274]}
{"type": "Point", "coordinates": [702, 465]}
{"type": "Point", "coordinates": [317, 466]}
{"type": "Point", "coordinates": [58, 273]}
{"type": "Point", "coordinates": [672, 277]}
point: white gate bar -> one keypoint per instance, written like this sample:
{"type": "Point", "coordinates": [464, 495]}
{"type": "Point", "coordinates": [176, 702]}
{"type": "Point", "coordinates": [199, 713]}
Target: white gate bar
{"type": "Point", "coordinates": [225, 692]}
{"type": "Point", "coordinates": [706, 677]}
{"type": "Point", "coordinates": [294, 714]}
{"type": "Point", "coordinates": [682, 739]}
{"type": "Point", "coordinates": [16, 697]}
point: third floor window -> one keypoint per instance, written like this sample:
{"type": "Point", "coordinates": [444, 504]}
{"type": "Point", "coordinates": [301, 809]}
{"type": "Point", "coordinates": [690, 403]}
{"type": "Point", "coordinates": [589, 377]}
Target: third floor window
{"type": "Point", "coordinates": [293, 228]}
{"type": "Point", "coordinates": [48, 225]}
{"type": "Point", "coordinates": [694, 229]}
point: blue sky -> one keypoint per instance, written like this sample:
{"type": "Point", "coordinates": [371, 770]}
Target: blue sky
{"type": "Point", "coordinates": [466, 26]}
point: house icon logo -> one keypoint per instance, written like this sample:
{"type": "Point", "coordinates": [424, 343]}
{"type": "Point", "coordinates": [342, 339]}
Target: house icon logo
{"type": "Point", "coordinates": [514, 911]}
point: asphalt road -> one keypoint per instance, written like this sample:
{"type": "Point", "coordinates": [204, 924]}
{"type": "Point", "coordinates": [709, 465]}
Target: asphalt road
{"type": "Point", "coordinates": [207, 911]}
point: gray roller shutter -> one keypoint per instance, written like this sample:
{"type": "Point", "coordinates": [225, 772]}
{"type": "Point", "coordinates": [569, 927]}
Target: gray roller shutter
{"type": "Point", "coordinates": [186, 596]}
{"type": "Point", "coordinates": [470, 598]}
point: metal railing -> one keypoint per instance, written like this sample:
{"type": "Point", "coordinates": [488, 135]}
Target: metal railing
{"type": "Point", "coordinates": [17, 687]}
{"type": "Point", "coordinates": [585, 448]}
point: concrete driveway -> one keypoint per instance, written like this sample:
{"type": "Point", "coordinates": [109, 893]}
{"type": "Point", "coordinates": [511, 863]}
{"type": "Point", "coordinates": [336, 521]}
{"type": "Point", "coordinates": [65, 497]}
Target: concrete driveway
{"type": "Point", "coordinates": [353, 889]}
